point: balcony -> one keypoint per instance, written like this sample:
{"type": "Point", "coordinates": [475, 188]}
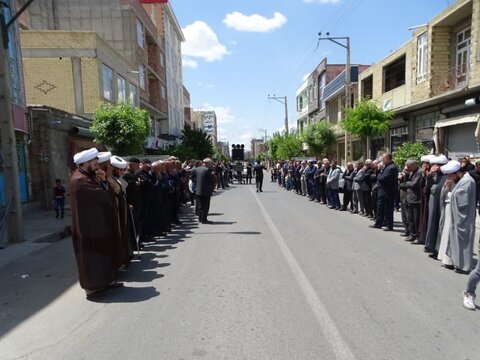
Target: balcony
{"type": "Point", "coordinates": [452, 79]}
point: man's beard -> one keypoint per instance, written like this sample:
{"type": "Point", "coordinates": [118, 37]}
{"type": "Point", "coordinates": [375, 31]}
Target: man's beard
{"type": "Point", "coordinates": [90, 170]}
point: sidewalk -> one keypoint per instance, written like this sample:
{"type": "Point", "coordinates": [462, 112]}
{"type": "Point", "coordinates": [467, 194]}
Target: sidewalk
{"type": "Point", "coordinates": [41, 228]}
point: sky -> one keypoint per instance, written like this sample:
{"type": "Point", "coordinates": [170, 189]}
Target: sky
{"type": "Point", "coordinates": [238, 52]}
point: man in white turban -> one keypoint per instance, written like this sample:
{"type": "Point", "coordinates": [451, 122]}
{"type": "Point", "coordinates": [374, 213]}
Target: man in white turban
{"type": "Point", "coordinates": [92, 224]}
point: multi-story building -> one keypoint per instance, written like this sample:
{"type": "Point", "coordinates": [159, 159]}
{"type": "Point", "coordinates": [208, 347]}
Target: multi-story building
{"type": "Point", "coordinates": [187, 108]}
{"type": "Point", "coordinates": [258, 146]}
{"type": "Point", "coordinates": [206, 121]}
{"type": "Point", "coordinates": [302, 105]}
{"type": "Point", "coordinates": [224, 148]}
{"type": "Point", "coordinates": [320, 77]}
{"type": "Point", "coordinates": [128, 29]}
{"type": "Point", "coordinates": [172, 32]}
{"type": "Point", "coordinates": [15, 74]}
{"type": "Point", "coordinates": [334, 111]}
{"type": "Point", "coordinates": [432, 83]}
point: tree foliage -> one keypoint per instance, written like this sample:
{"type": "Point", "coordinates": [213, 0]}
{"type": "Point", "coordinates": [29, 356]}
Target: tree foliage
{"type": "Point", "coordinates": [366, 119]}
{"type": "Point", "coordinates": [319, 137]}
{"type": "Point", "coordinates": [285, 146]}
{"type": "Point", "coordinates": [409, 151]}
{"type": "Point", "coordinates": [122, 128]}
{"type": "Point", "coordinates": [196, 144]}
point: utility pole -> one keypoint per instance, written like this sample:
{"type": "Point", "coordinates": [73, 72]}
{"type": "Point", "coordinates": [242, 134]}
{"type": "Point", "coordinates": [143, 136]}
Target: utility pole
{"type": "Point", "coordinates": [343, 41]}
{"type": "Point", "coordinates": [7, 132]}
{"type": "Point", "coordinates": [282, 100]}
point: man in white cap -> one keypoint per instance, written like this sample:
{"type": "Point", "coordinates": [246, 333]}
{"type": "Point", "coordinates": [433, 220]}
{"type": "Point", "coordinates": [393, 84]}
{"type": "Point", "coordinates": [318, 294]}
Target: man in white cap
{"type": "Point", "coordinates": [435, 182]}
{"type": "Point", "coordinates": [463, 211]}
{"type": "Point", "coordinates": [124, 249]}
{"type": "Point", "coordinates": [104, 170]}
{"type": "Point", "coordinates": [92, 224]}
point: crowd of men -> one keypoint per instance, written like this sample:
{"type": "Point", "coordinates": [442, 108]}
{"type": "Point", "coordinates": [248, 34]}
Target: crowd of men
{"type": "Point", "coordinates": [118, 206]}
{"type": "Point", "coordinates": [437, 199]}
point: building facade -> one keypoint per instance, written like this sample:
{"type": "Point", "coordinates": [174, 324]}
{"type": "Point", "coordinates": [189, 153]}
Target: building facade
{"type": "Point", "coordinates": [432, 84]}
{"type": "Point", "coordinates": [18, 104]}
{"type": "Point", "coordinates": [128, 29]}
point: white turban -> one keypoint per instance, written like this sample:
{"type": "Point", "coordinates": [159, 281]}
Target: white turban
{"type": "Point", "coordinates": [104, 156]}
{"type": "Point", "coordinates": [451, 167]}
{"type": "Point", "coordinates": [118, 162]}
{"type": "Point", "coordinates": [427, 158]}
{"type": "Point", "coordinates": [439, 160]}
{"type": "Point", "coordinates": [85, 155]}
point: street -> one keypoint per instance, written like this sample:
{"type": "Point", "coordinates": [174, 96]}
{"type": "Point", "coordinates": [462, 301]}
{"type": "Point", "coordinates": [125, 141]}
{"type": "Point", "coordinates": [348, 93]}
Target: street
{"type": "Point", "coordinates": [275, 277]}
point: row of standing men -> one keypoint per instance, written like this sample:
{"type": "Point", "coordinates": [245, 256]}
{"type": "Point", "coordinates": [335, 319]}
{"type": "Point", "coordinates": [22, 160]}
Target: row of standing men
{"type": "Point", "coordinates": [437, 200]}
{"type": "Point", "coordinates": [117, 206]}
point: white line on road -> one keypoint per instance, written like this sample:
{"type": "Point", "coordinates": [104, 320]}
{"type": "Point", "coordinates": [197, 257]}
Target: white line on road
{"type": "Point", "coordinates": [339, 346]}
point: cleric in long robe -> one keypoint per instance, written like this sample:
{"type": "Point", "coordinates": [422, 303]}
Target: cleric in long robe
{"type": "Point", "coordinates": [92, 227]}
{"type": "Point", "coordinates": [463, 206]}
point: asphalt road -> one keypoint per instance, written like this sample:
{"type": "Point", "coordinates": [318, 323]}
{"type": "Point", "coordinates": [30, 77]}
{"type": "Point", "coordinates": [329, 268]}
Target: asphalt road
{"type": "Point", "coordinates": [275, 277]}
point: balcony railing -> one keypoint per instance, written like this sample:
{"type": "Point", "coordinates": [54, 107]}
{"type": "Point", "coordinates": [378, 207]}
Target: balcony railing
{"type": "Point", "coordinates": [454, 78]}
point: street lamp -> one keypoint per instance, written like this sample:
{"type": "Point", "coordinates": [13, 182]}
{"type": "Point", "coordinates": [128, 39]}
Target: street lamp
{"type": "Point", "coordinates": [282, 100]}
{"type": "Point", "coordinates": [343, 41]}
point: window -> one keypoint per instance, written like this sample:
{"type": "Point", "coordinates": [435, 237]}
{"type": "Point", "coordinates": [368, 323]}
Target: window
{"type": "Point", "coordinates": [367, 87]}
{"type": "Point", "coordinates": [140, 34]}
{"type": "Point", "coordinates": [321, 87]}
{"type": "Point", "coordinates": [427, 120]}
{"type": "Point", "coordinates": [164, 93]}
{"type": "Point", "coordinates": [422, 47]}
{"type": "Point", "coordinates": [462, 55]}
{"type": "Point", "coordinates": [122, 89]}
{"type": "Point", "coordinates": [133, 94]}
{"type": "Point", "coordinates": [107, 76]}
{"type": "Point", "coordinates": [141, 75]}
{"type": "Point", "coordinates": [394, 74]}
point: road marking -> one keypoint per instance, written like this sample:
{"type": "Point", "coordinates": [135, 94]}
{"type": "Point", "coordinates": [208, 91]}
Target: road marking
{"type": "Point", "coordinates": [339, 346]}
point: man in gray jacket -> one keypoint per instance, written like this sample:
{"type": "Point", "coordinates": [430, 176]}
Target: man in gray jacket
{"type": "Point", "coordinates": [332, 185]}
{"type": "Point", "coordinates": [413, 197]}
{"type": "Point", "coordinates": [203, 178]}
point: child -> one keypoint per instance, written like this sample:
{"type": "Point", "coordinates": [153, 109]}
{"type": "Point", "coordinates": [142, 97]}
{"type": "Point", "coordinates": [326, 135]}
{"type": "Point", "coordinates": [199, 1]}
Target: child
{"type": "Point", "coordinates": [59, 199]}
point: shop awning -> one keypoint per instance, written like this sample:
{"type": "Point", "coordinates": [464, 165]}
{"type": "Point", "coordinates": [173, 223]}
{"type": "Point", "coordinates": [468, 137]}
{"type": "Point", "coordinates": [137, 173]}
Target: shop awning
{"type": "Point", "coordinates": [457, 121]}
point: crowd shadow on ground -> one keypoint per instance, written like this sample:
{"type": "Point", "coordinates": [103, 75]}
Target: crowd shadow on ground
{"type": "Point", "coordinates": [145, 268]}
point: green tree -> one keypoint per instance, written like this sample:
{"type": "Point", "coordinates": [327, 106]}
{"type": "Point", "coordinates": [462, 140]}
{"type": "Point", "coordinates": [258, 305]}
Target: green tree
{"type": "Point", "coordinates": [409, 151]}
{"type": "Point", "coordinates": [196, 144]}
{"type": "Point", "coordinates": [122, 128]}
{"type": "Point", "coordinates": [366, 120]}
{"type": "Point", "coordinates": [320, 138]}
{"type": "Point", "coordinates": [273, 147]}
{"type": "Point", "coordinates": [287, 146]}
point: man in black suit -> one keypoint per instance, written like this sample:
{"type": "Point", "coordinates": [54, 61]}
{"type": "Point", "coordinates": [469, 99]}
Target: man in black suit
{"type": "Point", "coordinates": [203, 179]}
{"type": "Point", "coordinates": [387, 184]}
{"type": "Point", "coordinates": [258, 170]}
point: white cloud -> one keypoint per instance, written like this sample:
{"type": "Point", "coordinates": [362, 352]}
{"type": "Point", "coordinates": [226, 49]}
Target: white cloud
{"type": "Point", "coordinates": [206, 85]}
{"type": "Point", "coordinates": [202, 42]}
{"type": "Point", "coordinates": [255, 22]}
{"type": "Point", "coordinates": [187, 62]}
{"type": "Point", "coordinates": [322, 1]}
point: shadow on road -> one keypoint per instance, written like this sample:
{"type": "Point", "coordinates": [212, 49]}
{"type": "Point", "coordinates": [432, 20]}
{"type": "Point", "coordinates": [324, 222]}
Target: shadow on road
{"type": "Point", "coordinates": [35, 281]}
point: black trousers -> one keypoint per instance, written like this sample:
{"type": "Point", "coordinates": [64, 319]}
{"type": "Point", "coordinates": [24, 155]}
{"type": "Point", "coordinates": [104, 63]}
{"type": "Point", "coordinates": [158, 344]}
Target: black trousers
{"type": "Point", "coordinates": [203, 206]}
{"type": "Point", "coordinates": [413, 218]}
{"type": "Point", "coordinates": [259, 183]}
{"type": "Point", "coordinates": [347, 198]}
{"type": "Point", "coordinates": [384, 211]}
{"type": "Point", "coordinates": [367, 195]}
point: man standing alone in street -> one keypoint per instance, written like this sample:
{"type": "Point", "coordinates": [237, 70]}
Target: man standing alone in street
{"type": "Point", "coordinates": [203, 178]}
{"type": "Point", "coordinates": [258, 170]}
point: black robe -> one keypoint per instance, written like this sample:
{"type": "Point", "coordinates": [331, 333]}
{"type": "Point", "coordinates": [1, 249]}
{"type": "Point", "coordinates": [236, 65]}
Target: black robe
{"type": "Point", "coordinates": [92, 231]}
